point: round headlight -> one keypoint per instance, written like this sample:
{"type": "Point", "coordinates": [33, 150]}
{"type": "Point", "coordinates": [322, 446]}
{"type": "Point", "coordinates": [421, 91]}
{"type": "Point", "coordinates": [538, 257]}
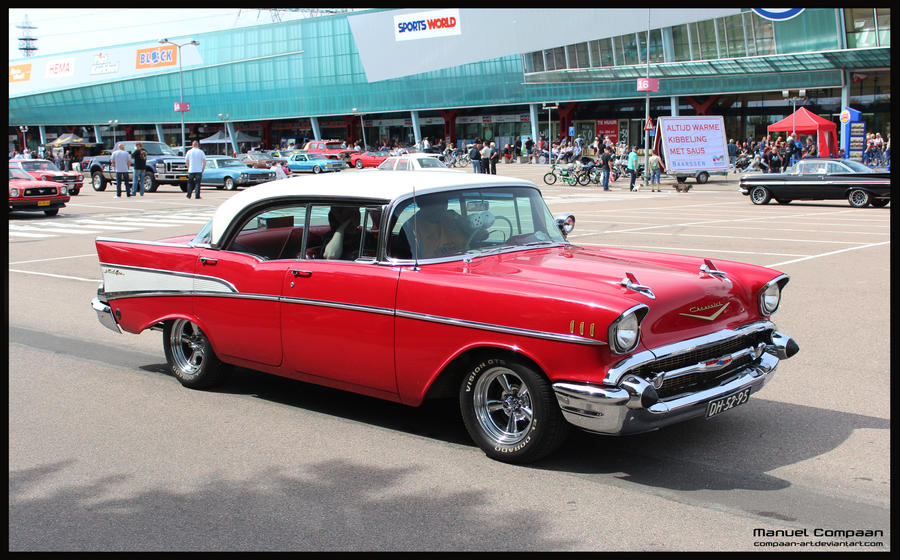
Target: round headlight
{"type": "Point", "coordinates": [63, 190]}
{"type": "Point", "coordinates": [625, 332]}
{"type": "Point", "coordinates": [14, 193]}
{"type": "Point", "coordinates": [770, 298]}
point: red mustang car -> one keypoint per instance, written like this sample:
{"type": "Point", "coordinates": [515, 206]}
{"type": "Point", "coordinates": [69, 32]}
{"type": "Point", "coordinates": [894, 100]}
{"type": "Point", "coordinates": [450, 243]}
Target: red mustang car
{"type": "Point", "coordinates": [422, 285]}
{"type": "Point", "coordinates": [368, 159]}
{"type": "Point", "coordinates": [46, 170]}
{"type": "Point", "coordinates": [28, 193]}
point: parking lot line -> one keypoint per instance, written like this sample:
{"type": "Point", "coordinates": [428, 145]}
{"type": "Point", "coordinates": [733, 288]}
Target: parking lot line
{"type": "Point", "coordinates": [828, 254]}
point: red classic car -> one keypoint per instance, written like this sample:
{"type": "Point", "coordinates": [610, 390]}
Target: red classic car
{"type": "Point", "coordinates": [368, 159]}
{"type": "Point", "coordinates": [424, 285]}
{"type": "Point", "coordinates": [28, 193]}
{"type": "Point", "coordinates": [46, 170]}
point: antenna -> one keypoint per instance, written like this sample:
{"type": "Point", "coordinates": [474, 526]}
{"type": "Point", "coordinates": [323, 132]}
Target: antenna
{"type": "Point", "coordinates": [415, 230]}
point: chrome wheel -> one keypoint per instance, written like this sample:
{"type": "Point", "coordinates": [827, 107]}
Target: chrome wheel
{"type": "Point", "coordinates": [760, 195]}
{"type": "Point", "coordinates": [503, 406]}
{"type": "Point", "coordinates": [859, 198]}
{"type": "Point", "coordinates": [189, 346]}
{"type": "Point", "coordinates": [190, 355]}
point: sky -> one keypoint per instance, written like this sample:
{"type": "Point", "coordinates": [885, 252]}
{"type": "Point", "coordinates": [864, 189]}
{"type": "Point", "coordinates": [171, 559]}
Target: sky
{"type": "Point", "coordinates": [63, 30]}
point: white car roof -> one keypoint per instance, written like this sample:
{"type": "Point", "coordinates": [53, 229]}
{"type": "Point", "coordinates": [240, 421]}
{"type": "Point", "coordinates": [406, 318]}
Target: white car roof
{"type": "Point", "coordinates": [365, 184]}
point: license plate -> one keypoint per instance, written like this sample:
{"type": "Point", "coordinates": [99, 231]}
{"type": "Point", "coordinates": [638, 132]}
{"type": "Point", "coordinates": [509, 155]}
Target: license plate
{"type": "Point", "coordinates": [43, 203]}
{"type": "Point", "coordinates": [719, 406]}
{"type": "Point", "coordinates": [180, 178]}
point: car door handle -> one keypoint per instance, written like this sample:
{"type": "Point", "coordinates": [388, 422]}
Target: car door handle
{"type": "Point", "coordinates": [206, 260]}
{"type": "Point", "coordinates": [301, 273]}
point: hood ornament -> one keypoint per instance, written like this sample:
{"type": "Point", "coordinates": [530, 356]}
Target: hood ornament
{"type": "Point", "coordinates": [630, 282]}
{"type": "Point", "coordinates": [710, 269]}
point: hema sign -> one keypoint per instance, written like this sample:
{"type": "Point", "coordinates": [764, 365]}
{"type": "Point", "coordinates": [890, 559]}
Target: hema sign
{"type": "Point", "coordinates": [451, 37]}
{"type": "Point", "coordinates": [425, 25]}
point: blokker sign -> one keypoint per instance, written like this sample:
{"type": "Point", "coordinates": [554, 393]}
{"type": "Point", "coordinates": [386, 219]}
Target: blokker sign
{"type": "Point", "coordinates": [427, 25]}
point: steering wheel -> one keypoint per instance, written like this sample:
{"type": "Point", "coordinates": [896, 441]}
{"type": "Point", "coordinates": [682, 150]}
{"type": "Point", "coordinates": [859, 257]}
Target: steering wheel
{"type": "Point", "coordinates": [489, 232]}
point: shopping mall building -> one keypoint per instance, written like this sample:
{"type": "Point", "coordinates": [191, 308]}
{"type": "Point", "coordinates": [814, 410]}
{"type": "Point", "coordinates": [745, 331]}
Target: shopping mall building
{"type": "Point", "coordinates": [464, 73]}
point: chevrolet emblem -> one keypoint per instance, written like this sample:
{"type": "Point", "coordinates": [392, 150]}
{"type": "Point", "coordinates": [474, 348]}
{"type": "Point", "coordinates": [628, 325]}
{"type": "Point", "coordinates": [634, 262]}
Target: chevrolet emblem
{"type": "Point", "coordinates": [704, 308]}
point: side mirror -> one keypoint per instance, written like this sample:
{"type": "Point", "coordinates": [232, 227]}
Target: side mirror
{"type": "Point", "coordinates": [566, 223]}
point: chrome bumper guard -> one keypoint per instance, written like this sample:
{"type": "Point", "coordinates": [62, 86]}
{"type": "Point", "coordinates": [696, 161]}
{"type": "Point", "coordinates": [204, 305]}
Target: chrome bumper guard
{"type": "Point", "coordinates": [104, 312]}
{"type": "Point", "coordinates": [633, 406]}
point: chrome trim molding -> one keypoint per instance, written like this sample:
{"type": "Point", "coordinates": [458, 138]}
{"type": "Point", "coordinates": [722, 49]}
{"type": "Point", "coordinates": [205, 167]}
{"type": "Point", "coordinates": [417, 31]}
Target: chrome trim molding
{"type": "Point", "coordinates": [558, 337]}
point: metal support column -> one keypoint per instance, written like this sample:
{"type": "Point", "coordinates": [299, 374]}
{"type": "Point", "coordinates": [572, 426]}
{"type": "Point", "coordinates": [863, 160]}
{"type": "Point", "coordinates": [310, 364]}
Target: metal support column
{"type": "Point", "coordinates": [315, 126]}
{"type": "Point", "coordinates": [417, 130]}
{"type": "Point", "coordinates": [535, 128]}
{"type": "Point", "coordinates": [159, 133]}
{"type": "Point", "coordinates": [673, 104]}
{"type": "Point", "coordinates": [98, 138]}
{"type": "Point", "coordinates": [229, 126]}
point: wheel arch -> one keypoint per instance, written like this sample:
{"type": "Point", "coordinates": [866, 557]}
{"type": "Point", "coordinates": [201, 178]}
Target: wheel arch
{"type": "Point", "coordinates": [445, 383]}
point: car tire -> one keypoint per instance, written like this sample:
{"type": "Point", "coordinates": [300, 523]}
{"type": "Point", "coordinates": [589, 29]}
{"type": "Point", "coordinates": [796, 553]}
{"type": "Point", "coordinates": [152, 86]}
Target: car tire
{"type": "Point", "coordinates": [317, 170]}
{"type": "Point", "coordinates": [880, 202]}
{"type": "Point", "coordinates": [229, 184]}
{"type": "Point", "coordinates": [702, 177]}
{"type": "Point", "coordinates": [859, 198]}
{"type": "Point", "coordinates": [150, 184]}
{"type": "Point", "coordinates": [98, 181]}
{"type": "Point", "coordinates": [183, 187]}
{"type": "Point", "coordinates": [359, 164]}
{"type": "Point", "coordinates": [549, 178]}
{"type": "Point", "coordinates": [510, 411]}
{"type": "Point", "coordinates": [52, 211]}
{"type": "Point", "coordinates": [190, 355]}
{"type": "Point", "coordinates": [760, 195]}
{"type": "Point", "coordinates": [75, 191]}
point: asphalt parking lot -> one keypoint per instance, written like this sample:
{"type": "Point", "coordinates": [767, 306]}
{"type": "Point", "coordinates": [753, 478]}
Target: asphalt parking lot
{"type": "Point", "coordinates": [108, 452]}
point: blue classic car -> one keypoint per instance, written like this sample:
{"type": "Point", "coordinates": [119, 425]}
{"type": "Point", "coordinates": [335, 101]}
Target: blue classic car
{"type": "Point", "coordinates": [230, 173]}
{"type": "Point", "coordinates": [315, 163]}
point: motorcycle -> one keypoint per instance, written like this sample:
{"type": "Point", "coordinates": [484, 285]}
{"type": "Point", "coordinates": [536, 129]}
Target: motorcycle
{"type": "Point", "coordinates": [743, 161]}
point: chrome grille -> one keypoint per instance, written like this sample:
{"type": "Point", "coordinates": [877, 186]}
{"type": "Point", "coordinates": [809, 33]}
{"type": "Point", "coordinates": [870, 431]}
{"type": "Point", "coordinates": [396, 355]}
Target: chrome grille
{"type": "Point", "coordinates": [699, 380]}
{"type": "Point", "coordinates": [41, 191]}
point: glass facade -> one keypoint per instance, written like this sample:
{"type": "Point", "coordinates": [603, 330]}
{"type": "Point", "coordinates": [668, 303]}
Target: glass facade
{"type": "Point", "coordinates": [274, 77]}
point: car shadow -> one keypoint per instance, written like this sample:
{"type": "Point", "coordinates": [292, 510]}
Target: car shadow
{"type": "Point", "coordinates": [733, 451]}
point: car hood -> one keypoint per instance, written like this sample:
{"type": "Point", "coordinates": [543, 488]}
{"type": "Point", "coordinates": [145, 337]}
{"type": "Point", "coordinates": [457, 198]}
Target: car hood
{"type": "Point", "coordinates": [686, 302]}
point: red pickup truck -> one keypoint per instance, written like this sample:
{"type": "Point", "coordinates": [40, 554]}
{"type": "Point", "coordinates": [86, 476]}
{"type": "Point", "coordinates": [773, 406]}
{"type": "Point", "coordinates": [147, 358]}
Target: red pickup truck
{"type": "Point", "coordinates": [334, 149]}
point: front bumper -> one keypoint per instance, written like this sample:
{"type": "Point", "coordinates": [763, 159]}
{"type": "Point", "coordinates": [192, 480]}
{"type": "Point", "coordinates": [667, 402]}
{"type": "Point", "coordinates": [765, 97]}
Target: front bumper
{"type": "Point", "coordinates": [632, 406]}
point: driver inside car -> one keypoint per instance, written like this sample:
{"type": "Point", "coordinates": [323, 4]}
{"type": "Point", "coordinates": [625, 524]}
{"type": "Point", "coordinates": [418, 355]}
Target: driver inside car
{"type": "Point", "coordinates": [342, 242]}
{"type": "Point", "coordinates": [438, 231]}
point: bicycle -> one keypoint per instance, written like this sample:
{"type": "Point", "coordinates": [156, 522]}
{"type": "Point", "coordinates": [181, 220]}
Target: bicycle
{"type": "Point", "coordinates": [566, 173]}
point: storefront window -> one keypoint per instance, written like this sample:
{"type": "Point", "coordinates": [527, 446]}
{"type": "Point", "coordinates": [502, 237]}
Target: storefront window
{"type": "Point", "coordinates": [734, 35]}
{"type": "Point", "coordinates": [860, 25]}
{"type": "Point", "coordinates": [883, 19]}
{"type": "Point", "coordinates": [706, 37]}
{"type": "Point", "coordinates": [680, 42]}
{"type": "Point", "coordinates": [630, 49]}
{"type": "Point", "coordinates": [578, 55]}
{"type": "Point", "coordinates": [763, 36]}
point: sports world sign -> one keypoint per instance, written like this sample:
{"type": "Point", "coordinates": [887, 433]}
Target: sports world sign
{"type": "Point", "coordinates": [427, 25]}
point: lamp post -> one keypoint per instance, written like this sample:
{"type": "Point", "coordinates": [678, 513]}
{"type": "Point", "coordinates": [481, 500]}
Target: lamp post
{"type": "Point", "coordinates": [224, 118]}
{"type": "Point", "coordinates": [801, 94]}
{"type": "Point", "coordinates": [180, 82]}
{"type": "Point", "coordinates": [647, 110]}
{"type": "Point", "coordinates": [23, 129]}
{"type": "Point", "coordinates": [112, 124]}
{"type": "Point", "coordinates": [362, 130]}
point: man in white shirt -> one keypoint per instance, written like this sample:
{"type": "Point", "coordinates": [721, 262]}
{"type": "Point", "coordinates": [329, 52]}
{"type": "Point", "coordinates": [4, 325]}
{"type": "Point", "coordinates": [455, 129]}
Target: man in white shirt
{"type": "Point", "coordinates": [195, 160]}
{"type": "Point", "coordinates": [120, 160]}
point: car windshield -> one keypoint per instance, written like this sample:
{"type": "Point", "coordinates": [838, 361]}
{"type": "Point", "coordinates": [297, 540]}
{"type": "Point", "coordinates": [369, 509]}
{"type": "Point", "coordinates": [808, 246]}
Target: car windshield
{"type": "Point", "coordinates": [39, 165]}
{"type": "Point", "coordinates": [16, 173]}
{"type": "Point", "coordinates": [334, 146]}
{"type": "Point", "coordinates": [430, 162]}
{"type": "Point", "coordinates": [152, 148]}
{"type": "Point", "coordinates": [230, 162]}
{"type": "Point", "coordinates": [471, 222]}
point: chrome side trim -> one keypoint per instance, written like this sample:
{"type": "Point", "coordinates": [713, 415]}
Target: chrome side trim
{"type": "Point", "coordinates": [338, 305]}
{"type": "Point", "coordinates": [558, 337]}
{"type": "Point", "coordinates": [142, 242]}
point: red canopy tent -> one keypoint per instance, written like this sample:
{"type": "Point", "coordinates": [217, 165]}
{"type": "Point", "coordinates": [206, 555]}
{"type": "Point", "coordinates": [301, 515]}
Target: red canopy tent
{"type": "Point", "coordinates": [807, 123]}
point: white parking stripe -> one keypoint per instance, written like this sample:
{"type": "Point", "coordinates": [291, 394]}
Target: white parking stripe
{"type": "Point", "coordinates": [96, 281]}
{"type": "Point", "coordinates": [50, 229]}
{"type": "Point", "coordinates": [22, 234]}
{"type": "Point", "coordinates": [828, 254]}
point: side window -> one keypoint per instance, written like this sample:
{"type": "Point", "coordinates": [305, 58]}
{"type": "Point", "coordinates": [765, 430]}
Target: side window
{"type": "Point", "coordinates": [834, 168]}
{"type": "Point", "coordinates": [273, 233]}
{"type": "Point", "coordinates": [402, 164]}
{"type": "Point", "coordinates": [345, 232]}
